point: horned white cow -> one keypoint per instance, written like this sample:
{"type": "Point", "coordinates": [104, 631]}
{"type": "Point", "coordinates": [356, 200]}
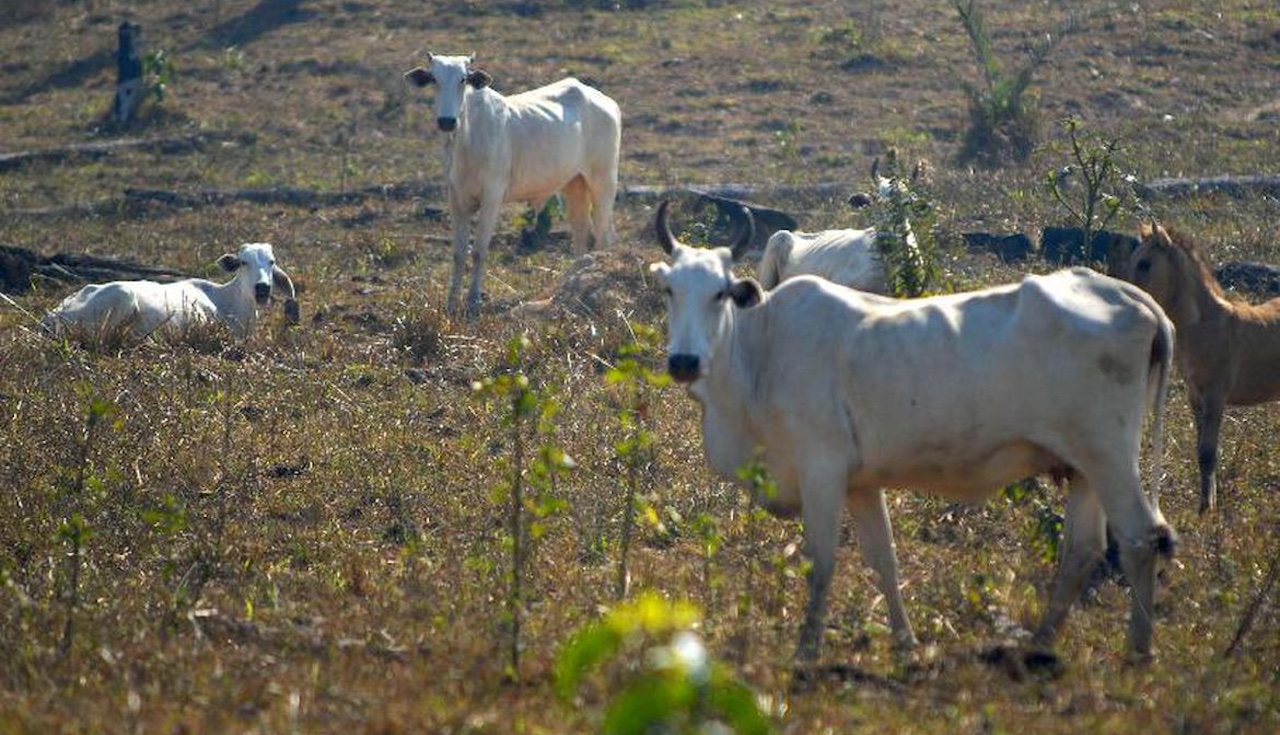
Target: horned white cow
{"type": "Point", "coordinates": [841, 393]}
{"type": "Point", "coordinates": [142, 307]}
{"type": "Point", "coordinates": [564, 137]}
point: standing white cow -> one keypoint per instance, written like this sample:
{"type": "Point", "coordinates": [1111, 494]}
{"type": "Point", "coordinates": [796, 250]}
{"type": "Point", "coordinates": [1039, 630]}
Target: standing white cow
{"type": "Point", "coordinates": [841, 393]}
{"type": "Point", "coordinates": [143, 307]}
{"type": "Point", "coordinates": [564, 137]}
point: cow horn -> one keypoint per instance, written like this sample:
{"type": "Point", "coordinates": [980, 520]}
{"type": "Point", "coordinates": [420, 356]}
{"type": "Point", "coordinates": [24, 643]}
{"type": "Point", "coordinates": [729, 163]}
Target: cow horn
{"type": "Point", "coordinates": [744, 232]}
{"type": "Point", "coordinates": [667, 240]}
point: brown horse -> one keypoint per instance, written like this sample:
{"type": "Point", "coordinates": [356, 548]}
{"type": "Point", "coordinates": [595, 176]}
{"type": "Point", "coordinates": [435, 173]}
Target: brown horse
{"type": "Point", "coordinates": [1227, 351]}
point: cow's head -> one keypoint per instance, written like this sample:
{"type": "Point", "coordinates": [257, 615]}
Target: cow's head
{"type": "Point", "coordinates": [702, 294]}
{"type": "Point", "coordinates": [451, 74]}
{"type": "Point", "coordinates": [255, 268]}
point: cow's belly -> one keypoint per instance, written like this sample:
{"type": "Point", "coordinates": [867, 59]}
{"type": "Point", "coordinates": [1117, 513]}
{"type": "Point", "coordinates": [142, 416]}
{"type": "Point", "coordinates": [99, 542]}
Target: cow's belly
{"type": "Point", "coordinates": [968, 477]}
{"type": "Point", "coordinates": [535, 191]}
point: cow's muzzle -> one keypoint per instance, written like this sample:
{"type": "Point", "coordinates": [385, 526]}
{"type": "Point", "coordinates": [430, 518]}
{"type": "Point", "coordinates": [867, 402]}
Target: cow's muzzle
{"type": "Point", "coordinates": [683, 368]}
{"type": "Point", "coordinates": [447, 124]}
{"type": "Point", "coordinates": [262, 293]}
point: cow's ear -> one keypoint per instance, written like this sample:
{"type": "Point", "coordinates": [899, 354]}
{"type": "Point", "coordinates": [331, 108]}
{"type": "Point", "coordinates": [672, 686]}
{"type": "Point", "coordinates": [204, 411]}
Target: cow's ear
{"type": "Point", "coordinates": [746, 293]}
{"type": "Point", "coordinates": [229, 262]}
{"type": "Point", "coordinates": [419, 76]}
{"type": "Point", "coordinates": [479, 78]}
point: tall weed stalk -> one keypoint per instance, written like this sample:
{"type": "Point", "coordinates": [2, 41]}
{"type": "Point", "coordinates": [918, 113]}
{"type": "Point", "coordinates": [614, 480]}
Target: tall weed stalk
{"type": "Point", "coordinates": [529, 414]}
{"type": "Point", "coordinates": [636, 381]}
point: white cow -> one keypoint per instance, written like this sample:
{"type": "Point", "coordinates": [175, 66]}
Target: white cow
{"type": "Point", "coordinates": [524, 148]}
{"type": "Point", "coordinates": [849, 257]}
{"type": "Point", "coordinates": [846, 257]}
{"type": "Point", "coordinates": [142, 307]}
{"type": "Point", "coordinates": [841, 393]}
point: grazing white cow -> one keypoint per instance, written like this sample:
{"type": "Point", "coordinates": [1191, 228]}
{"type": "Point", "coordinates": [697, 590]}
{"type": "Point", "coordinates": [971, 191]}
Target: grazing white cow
{"type": "Point", "coordinates": [563, 137]}
{"type": "Point", "coordinates": [841, 393]}
{"type": "Point", "coordinates": [846, 257]}
{"type": "Point", "coordinates": [142, 307]}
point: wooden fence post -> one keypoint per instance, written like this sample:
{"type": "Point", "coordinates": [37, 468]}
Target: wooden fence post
{"type": "Point", "coordinates": [128, 72]}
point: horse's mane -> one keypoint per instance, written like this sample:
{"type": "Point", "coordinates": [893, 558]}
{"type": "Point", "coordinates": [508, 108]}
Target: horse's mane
{"type": "Point", "coordinates": [1183, 242]}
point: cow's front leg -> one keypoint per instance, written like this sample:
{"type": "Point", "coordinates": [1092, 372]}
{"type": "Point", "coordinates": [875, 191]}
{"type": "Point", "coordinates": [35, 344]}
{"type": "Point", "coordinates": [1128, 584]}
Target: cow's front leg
{"type": "Point", "coordinates": [486, 224]}
{"type": "Point", "coordinates": [875, 538]}
{"type": "Point", "coordinates": [821, 505]}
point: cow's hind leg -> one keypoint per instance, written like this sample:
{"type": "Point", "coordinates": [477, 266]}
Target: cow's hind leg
{"type": "Point", "coordinates": [1083, 544]}
{"type": "Point", "coordinates": [604, 189]}
{"type": "Point", "coordinates": [577, 207]}
{"type": "Point", "coordinates": [875, 538]}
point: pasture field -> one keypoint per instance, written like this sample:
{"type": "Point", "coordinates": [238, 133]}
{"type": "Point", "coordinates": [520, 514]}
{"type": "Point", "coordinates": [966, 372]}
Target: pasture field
{"type": "Point", "coordinates": [308, 532]}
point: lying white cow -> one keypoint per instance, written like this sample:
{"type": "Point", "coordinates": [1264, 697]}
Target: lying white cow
{"type": "Point", "coordinates": [841, 393]}
{"type": "Point", "coordinates": [563, 137]}
{"type": "Point", "coordinates": [142, 307]}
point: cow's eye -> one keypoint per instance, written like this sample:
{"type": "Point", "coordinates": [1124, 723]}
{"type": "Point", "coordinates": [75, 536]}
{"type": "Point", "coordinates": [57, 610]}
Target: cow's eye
{"type": "Point", "coordinates": [722, 294]}
{"type": "Point", "coordinates": [1143, 267]}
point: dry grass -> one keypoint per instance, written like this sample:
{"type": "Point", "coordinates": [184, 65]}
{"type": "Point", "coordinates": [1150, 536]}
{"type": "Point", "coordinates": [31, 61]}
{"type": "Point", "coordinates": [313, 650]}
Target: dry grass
{"type": "Point", "coordinates": [301, 533]}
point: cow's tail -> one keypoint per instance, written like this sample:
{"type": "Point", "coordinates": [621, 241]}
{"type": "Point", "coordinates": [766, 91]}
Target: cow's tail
{"type": "Point", "coordinates": [1160, 369]}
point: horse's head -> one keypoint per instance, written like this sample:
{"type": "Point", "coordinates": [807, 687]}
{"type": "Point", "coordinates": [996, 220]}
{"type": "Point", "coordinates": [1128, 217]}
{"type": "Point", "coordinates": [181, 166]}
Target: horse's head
{"type": "Point", "coordinates": [1167, 266]}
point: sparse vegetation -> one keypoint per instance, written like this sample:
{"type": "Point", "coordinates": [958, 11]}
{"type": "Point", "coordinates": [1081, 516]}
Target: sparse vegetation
{"type": "Point", "coordinates": [311, 531]}
{"type": "Point", "coordinates": [1004, 119]}
{"type": "Point", "coordinates": [1102, 190]}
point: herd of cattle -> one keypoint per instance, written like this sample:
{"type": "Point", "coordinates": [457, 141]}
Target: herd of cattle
{"type": "Point", "coordinates": [836, 387]}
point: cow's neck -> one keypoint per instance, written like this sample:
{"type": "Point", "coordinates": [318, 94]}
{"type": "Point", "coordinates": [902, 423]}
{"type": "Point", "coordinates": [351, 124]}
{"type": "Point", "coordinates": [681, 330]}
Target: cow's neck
{"type": "Point", "coordinates": [477, 130]}
{"type": "Point", "coordinates": [729, 395]}
{"type": "Point", "coordinates": [234, 302]}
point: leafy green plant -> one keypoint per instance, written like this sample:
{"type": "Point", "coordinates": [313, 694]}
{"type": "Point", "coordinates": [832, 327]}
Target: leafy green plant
{"type": "Point", "coordinates": [760, 486]}
{"type": "Point", "coordinates": [157, 73]}
{"type": "Point", "coordinates": [1003, 120]}
{"type": "Point", "coordinates": [528, 413]}
{"type": "Point", "coordinates": [1046, 521]}
{"type": "Point", "coordinates": [636, 381]}
{"type": "Point", "coordinates": [904, 219]}
{"type": "Point", "coordinates": [668, 682]}
{"type": "Point", "coordinates": [1104, 191]}
{"type": "Point", "coordinates": [80, 497]}
{"type": "Point", "coordinates": [535, 226]}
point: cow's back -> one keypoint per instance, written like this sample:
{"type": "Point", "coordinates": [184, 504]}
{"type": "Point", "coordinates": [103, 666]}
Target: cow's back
{"type": "Point", "coordinates": [144, 305]}
{"type": "Point", "coordinates": [560, 131]}
{"type": "Point", "coordinates": [953, 378]}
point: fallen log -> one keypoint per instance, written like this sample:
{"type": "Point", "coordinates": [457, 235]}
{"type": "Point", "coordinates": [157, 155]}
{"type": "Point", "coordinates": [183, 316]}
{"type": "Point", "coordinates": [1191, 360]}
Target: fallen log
{"type": "Point", "coordinates": [20, 266]}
